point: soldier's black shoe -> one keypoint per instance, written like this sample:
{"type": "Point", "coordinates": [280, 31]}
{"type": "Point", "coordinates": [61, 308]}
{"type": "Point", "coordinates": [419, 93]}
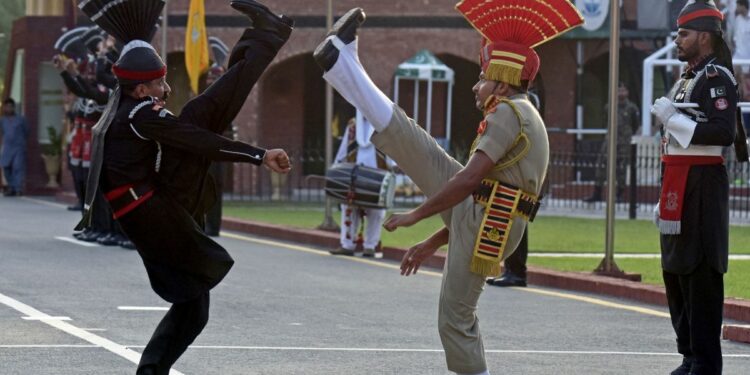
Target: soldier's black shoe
{"type": "Point", "coordinates": [507, 279]}
{"type": "Point", "coordinates": [108, 239]}
{"type": "Point", "coordinates": [684, 368]}
{"type": "Point", "coordinates": [127, 244]}
{"type": "Point", "coordinates": [345, 29]}
{"type": "Point", "coordinates": [341, 251]}
{"type": "Point", "coordinates": [263, 18]}
{"type": "Point", "coordinates": [91, 236]}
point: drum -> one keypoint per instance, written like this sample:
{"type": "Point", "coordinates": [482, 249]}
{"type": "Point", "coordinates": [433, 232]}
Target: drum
{"type": "Point", "coordinates": [360, 186]}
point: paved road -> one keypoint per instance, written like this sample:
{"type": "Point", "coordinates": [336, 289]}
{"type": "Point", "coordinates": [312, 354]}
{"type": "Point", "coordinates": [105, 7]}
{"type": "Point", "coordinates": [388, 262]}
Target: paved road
{"type": "Point", "coordinates": [66, 308]}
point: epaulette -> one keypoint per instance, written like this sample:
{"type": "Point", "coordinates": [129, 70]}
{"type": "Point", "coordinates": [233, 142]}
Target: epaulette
{"type": "Point", "coordinates": [138, 107]}
{"type": "Point", "coordinates": [712, 71]}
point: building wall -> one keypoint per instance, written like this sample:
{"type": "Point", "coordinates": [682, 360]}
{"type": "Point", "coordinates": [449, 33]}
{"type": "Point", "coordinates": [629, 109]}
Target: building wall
{"type": "Point", "coordinates": [394, 32]}
{"type": "Point", "coordinates": [36, 36]}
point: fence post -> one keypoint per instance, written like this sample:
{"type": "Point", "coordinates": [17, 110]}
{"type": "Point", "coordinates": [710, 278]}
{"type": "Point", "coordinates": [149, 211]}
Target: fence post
{"type": "Point", "coordinates": [633, 181]}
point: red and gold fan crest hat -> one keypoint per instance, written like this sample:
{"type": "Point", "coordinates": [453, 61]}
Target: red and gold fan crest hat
{"type": "Point", "coordinates": [512, 28]}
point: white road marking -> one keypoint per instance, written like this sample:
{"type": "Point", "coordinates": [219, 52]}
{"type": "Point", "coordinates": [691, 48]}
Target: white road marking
{"type": "Point", "coordinates": [77, 242]}
{"type": "Point", "coordinates": [46, 346]}
{"type": "Point", "coordinates": [70, 329]}
{"type": "Point", "coordinates": [415, 350]}
{"type": "Point", "coordinates": [45, 318]}
{"type": "Point", "coordinates": [142, 308]}
{"type": "Point", "coordinates": [44, 202]}
{"type": "Point", "coordinates": [591, 300]}
{"type": "Point", "coordinates": [618, 256]}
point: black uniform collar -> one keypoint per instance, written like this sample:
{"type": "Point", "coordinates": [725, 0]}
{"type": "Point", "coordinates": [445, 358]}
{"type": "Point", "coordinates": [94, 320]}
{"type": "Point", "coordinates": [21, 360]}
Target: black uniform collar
{"type": "Point", "coordinates": [692, 71]}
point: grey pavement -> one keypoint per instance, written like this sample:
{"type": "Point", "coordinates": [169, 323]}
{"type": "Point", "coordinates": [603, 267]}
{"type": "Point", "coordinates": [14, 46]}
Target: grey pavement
{"type": "Point", "coordinates": [291, 309]}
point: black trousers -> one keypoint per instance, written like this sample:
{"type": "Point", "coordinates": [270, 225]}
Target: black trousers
{"type": "Point", "coordinates": [213, 216]}
{"type": "Point", "coordinates": [696, 304]}
{"type": "Point", "coordinates": [79, 175]}
{"type": "Point", "coordinates": [177, 330]}
{"type": "Point", "coordinates": [516, 262]}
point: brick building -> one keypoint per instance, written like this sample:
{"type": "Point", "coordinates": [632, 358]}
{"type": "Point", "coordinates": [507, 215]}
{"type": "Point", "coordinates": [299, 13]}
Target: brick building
{"type": "Point", "coordinates": [286, 108]}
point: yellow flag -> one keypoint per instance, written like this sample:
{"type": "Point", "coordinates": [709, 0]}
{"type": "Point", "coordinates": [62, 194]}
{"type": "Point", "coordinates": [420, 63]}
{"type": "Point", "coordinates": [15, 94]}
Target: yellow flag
{"type": "Point", "coordinates": [196, 43]}
{"type": "Point", "coordinates": [335, 131]}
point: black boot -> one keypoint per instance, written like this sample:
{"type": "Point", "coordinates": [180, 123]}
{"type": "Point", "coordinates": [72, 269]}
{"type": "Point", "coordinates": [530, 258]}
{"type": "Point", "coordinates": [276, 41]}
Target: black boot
{"type": "Point", "coordinates": [263, 18]}
{"type": "Point", "coordinates": [596, 196]}
{"type": "Point", "coordinates": [684, 369]}
{"type": "Point", "coordinates": [507, 279]}
{"type": "Point", "coordinates": [345, 29]}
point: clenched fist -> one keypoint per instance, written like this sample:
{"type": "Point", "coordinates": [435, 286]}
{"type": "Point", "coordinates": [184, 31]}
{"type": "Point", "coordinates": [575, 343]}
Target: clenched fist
{"type": "Point", "coordinates": [277, 160]}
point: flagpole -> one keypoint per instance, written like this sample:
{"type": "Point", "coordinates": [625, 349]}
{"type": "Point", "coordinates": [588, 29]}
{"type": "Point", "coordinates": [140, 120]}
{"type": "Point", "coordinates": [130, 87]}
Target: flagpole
{"type": "Point", "coordinates": [164, 24]}
{"type": "Point", "coordinates": [328, 223]}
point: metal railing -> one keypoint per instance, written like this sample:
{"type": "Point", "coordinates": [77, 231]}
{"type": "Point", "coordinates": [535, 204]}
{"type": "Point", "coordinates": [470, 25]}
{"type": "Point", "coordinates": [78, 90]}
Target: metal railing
{"type": "Point", "coordinates": [572, 178]}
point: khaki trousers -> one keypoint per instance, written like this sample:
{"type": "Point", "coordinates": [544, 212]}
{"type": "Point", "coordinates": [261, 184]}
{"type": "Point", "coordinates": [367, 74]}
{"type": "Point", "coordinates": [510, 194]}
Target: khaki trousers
{"type": "Point", "coordinates": [425, 162]}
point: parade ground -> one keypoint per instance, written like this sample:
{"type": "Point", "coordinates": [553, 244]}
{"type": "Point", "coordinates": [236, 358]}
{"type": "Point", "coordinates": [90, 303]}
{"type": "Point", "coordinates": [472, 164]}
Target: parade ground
{"type": "Point", "coordinates": [68, 307]}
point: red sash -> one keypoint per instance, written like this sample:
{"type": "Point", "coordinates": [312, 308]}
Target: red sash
{"type": "Point", "coordinates": [676, 169]}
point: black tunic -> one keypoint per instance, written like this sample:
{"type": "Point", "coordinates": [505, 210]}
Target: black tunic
{"type": "Point", "coordinates": [705, 215]}
{"type": "Point", "coordinates": [181, 261]}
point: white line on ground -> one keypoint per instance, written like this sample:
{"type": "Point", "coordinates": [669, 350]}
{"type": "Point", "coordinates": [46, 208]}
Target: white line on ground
{"type": "Point", "coordinates": [45, 318]}
{"type": "Point", "coordinates": [623, 256]}
{"type": "Point", "coordinates": [46, 346]}
{"type": "Point", "coordinates": [44, 202]}
{"type": "Point", "coordinates": [570, 296]}
{"type": "Point", "coordinates": [414, 350]}
{"type": "Point", "coordinates": [68, 328]}
{"type": "Point", "coordinates": [75, 241]}
{"type": "Point", "coordinates": [142, 308]}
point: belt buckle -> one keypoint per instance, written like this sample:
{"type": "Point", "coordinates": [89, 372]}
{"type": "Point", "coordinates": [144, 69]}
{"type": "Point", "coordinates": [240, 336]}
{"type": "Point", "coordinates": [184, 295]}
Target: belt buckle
{"type": "Point", "coordinates": [133, 194]}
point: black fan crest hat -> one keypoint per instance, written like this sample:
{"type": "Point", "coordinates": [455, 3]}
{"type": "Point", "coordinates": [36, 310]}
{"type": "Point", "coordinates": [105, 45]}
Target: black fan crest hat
{"type": "Point", "coordinates": [133, 23]}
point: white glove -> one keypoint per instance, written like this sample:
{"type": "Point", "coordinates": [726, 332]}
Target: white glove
{"type": "Point", "coordinates": [663, 109]}
{"type": "Point", "coordinates": [678, 125]}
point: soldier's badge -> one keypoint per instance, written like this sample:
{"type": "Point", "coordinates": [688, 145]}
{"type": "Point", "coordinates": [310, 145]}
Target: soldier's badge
{"type": "Point", "coordinates": [718, 92]}
{"type": "Point", "coordinates": [482, 127]}
{"type": "Point", "coordinates": [721, 104]}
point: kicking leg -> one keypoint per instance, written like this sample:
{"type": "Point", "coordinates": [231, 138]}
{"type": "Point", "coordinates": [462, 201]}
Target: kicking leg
{"type": "Point", "coordinates": [217, 107]}
{"type": "Point", "coordinates": [415, 151]}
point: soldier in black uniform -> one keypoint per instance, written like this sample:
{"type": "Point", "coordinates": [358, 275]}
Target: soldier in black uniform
{"type": "Point", "coordinates": [152, 165]}
{"type": "Point", "coordinates": [693, 207]}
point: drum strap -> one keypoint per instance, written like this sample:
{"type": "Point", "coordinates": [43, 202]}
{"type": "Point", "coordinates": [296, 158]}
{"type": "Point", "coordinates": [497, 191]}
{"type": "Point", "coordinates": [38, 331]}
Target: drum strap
{"type": "Point", "coordinates": [503, 204]}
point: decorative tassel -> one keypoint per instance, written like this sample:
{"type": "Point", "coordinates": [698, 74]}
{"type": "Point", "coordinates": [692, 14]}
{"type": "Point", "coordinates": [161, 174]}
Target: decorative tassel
{"type": "Point", "coordinates": [669, 226]}
{"type": "Point", "coordinates": [485, 267]}
{"type": "Point", "coordinates": [503, 73]}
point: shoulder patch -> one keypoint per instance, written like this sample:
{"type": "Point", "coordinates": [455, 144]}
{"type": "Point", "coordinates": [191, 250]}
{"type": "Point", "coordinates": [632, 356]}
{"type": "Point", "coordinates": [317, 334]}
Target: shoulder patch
{"type": "Point", "coordinates": [718, 92]}
{"type": "Point", "coordinates": [721, 104]}
{"type": "Point", "coordinates": [711, 71]}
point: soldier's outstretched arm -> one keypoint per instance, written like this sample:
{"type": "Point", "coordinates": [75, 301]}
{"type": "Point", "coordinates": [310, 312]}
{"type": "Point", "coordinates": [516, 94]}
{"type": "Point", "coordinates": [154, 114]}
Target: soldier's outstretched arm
{"type": "Point", "coordinates": [418, 253]}
{"type": "Point", "coordinates": [160, 125]}
{"type": "Point", "coordinates": [458, 188]}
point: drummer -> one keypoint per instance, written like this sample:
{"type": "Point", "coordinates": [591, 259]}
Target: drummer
{"type": "Point", "coordinates": [357, 148]}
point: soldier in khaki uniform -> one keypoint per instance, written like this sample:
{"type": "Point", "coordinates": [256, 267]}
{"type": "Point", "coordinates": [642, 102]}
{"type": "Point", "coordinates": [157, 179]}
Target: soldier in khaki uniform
{"type": "Point", "coordinates": [505, 172]}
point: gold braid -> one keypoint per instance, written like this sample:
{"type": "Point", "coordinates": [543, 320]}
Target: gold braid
{"type": "Point", "coordinates": [519, 138]}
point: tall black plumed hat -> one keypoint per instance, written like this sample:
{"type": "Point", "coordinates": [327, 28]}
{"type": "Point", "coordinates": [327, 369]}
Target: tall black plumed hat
{"type": "Point", "coordinates": [71, 45]}
{"type": "Point", "coordinates": [132, 23]}
{"type": "Point", "coordinates": [219, 50]}
{"type": "Point", "coordinates": [92, 37]}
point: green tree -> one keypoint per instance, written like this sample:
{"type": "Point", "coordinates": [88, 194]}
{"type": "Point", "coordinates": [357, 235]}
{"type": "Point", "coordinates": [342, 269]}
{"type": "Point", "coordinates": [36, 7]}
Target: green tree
{"type": "Point", "coordinates": [10, 10]}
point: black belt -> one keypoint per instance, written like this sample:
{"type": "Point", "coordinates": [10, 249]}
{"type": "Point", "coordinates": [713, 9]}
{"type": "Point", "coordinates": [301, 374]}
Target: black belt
{"type": "Point", "coordinates": [528, 204]}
